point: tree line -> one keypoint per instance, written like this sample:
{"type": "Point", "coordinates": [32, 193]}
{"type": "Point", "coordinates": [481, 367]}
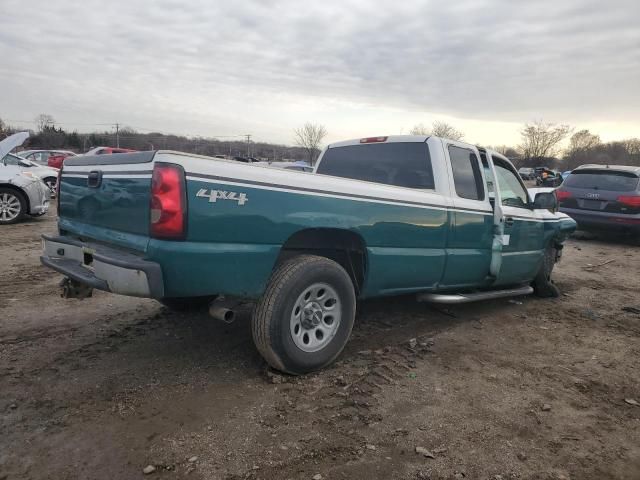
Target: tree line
{"type": "Point", "coordinates": [541, 143]}
{"type": "Point", "coordinates": [49, 136]}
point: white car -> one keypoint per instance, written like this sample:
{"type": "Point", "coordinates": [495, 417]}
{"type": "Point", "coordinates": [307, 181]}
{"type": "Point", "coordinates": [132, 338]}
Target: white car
{"type": "Point", "coordinates": [48, 175]}
{"type": "Point", "coordinates": [41, 157]}
{"type": "Point", "coordinates": [21, 192]}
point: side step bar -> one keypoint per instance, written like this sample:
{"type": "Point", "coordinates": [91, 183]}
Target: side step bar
{"type": "Point", "coordinates": [473, 297]}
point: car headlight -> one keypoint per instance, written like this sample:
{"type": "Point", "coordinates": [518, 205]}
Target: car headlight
{"type": "Point", "coordinates": [30, 175]}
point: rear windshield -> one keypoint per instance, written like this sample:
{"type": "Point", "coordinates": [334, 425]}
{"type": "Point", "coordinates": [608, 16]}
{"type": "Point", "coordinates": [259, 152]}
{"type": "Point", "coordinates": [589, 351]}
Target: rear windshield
{"type": "Point", "coordinates": [602, 180]}
{"type": "Point", "coordinates": [402, 164]}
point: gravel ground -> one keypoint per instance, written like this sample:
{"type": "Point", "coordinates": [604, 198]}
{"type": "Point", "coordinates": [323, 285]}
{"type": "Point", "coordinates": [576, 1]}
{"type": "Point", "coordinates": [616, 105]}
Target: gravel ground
{"type": "Point", "coordinates": [508, 389]}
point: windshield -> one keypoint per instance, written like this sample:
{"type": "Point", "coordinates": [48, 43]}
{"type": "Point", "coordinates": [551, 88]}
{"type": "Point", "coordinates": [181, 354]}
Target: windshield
{"type": "Point", "coordinates": [602, 180]}
{"type": "Point", "coordinates": [11, 159]}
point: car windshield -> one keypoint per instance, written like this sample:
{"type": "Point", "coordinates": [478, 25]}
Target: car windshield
{"type": "Point", "coordinates": [602, 180]}
{"type": "Point", "coordinates": [11, 159]}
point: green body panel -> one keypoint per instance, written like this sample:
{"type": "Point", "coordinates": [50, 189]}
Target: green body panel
{"type": "Point", "coordinates": [120, 204]}
{"type": "Point", "coordinates": [468, 250]}
{"type": "Point", "coordinates": [408, 248]}
{"type": "Point", "coordinates": [405, 245]}
{"type": "Point", "coordinates": [521, 259]}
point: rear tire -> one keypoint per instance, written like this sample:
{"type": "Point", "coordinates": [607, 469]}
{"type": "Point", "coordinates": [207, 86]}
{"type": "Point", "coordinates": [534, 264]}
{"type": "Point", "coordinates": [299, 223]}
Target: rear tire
{"type": "Point", "coordinates": [542, 284]}
{"type": "Point", "coordinates": [13, 206]}
{"type": "Point", "coordinates": [304, 319]}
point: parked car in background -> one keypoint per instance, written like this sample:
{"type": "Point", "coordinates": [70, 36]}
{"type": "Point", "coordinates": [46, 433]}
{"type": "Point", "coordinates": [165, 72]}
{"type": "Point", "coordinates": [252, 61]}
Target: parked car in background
{"type": "Point", "coordinates": [548, 178]}
{"type": "Point", "coordinates": [50, 158]}
{"type": "Point", "coordinates": [108, 150]}
{"type": "Point", "coordinates": [21, 192]}
{"type": "Point", "coordinates": [602, 196]}
{"type": "Point", "coordinates": [526, 173]}
{"type": "Point", "coordinates": [48, 175]}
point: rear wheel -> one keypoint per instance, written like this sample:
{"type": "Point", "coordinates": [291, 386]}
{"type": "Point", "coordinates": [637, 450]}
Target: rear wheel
{"type": "Point", "coordinates": [305, 317]}
{"type": "Point", "coordinates": [542, 284]}
{"type": "Point", "coordinates": [13, 206]}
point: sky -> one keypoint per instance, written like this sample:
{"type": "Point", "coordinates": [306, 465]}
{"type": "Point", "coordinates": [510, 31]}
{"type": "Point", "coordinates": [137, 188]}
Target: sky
{"type": "Point", "coordinates": [360, 68]}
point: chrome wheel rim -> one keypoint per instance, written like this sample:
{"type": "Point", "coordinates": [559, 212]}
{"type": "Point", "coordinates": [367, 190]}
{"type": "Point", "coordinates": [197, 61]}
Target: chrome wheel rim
{"type": "Point", "coordinates": [9, 207]}
{"type": "Point", "coordinates": [315, 317]}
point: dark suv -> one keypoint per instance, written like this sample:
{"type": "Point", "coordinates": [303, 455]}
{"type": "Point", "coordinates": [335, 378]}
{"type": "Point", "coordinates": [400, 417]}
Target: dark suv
{"type": "Point", "coordinates": [603, 196]}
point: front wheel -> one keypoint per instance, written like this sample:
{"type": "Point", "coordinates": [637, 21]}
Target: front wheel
{"type": "Point", "coordinates": [12, 206]}
{"type": "Point", "coordinates": [542, 284]}
{"type": "Point", "coordinates": [304, 319]}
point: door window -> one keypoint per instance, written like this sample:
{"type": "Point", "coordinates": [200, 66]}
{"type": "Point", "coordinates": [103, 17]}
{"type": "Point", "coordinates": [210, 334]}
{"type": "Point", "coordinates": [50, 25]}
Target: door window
{"type": "Point", "coordinates": [512, 192]}
{"type": "Point", "coordinates": [466, 173]}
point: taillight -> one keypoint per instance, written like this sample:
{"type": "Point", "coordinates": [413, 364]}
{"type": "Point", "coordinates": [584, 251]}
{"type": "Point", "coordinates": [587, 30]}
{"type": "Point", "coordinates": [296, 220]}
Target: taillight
{"type": "Point", "coordinates": [373, 139]}
{"type": "Point", "coordinates": [562, 195]}
{"type": "Point", "coordinates": [168, 202]}
{"type": "Point", "coordinates": [630, 200]}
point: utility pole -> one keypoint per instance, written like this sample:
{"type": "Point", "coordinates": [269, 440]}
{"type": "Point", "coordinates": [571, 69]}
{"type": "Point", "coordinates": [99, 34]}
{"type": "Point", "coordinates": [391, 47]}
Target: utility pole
{"type": "Point", "coordinates": [118, 135]}
{"type": "Point", "coordinates": [248, 145]}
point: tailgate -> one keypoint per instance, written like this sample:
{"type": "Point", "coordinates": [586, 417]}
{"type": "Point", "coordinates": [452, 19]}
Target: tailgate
{"type": "Point", "coordinates": [106, 197]}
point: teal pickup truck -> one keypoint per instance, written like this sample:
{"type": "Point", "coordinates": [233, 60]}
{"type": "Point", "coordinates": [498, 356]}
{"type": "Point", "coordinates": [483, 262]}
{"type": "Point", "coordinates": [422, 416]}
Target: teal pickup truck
{"type": "Point", "coordinates": [445, 220]}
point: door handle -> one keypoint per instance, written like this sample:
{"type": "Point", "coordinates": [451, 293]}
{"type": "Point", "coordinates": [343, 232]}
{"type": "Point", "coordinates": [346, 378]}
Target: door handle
{"type": "Point", "coordinates": [508, 221]}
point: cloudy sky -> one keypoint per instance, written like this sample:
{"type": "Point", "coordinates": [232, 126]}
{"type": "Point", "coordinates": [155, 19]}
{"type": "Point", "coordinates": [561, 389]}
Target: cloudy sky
{"type": "Point", "coordinates": [361, 68]}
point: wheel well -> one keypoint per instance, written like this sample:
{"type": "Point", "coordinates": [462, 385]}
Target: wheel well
{"type": "Point", "coordinates": [20, 192]}
{"type": "Point", "coordinates": [342, 246]}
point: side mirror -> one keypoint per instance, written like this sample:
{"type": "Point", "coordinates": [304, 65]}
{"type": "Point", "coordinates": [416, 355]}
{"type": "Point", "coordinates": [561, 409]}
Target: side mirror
{"type": "Point", "coordinates": [545, 201]}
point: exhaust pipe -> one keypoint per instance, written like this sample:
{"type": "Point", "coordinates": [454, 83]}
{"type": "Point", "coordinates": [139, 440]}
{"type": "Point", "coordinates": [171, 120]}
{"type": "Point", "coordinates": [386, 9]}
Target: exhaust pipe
{"type": "Point", "coordinates": [222, 310]}
{"type": "Point", "coordinates": [221, 313]}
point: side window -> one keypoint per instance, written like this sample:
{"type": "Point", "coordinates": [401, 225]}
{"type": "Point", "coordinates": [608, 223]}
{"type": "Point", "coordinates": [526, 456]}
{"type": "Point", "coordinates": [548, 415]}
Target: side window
{"type": "Point", "coordinates": [466, 173]}
{"type": "Point", "coordinates": [512, 192]}
{"type": "Point", "coordinates": [403, 164]}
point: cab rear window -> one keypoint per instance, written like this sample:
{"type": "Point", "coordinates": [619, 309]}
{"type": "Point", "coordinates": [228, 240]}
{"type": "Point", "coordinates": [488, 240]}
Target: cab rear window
{"type": "Point", "coordinates": [602, 180]}
{"type": "Point", "coordinates": [403, 164]}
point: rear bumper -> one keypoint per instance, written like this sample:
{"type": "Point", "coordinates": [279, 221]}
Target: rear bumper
{"type": "Point", "coordinates": [102, 267]}
{"type": "Point", "coordinates": [594, 219]}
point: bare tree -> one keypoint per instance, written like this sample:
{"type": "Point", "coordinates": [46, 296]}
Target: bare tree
{"type": "Point", "coordinates": [43, 121]}
{"type": "Point", "coordinates": [444, 130]}
{"type": "Point", "coordinates": [632, 145]}
{"type": "Point", "coordinates": [419, 129]}
{"type": "Point", "coordinates": [310, 137]}
{"type": "Point", "coordinates": [583, 140]}
{"type": "Point", "coordinates": [540, 139]}
{"type": "Point", "coordinates": [438, 129]}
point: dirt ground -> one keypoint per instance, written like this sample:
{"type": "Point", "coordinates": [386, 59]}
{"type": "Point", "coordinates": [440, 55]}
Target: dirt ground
{"type": "Point", "coordinates": [505, 389]}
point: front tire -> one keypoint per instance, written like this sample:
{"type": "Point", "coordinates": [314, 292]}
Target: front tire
{"type": "Point", "coordinates": [13, 206]}
{"type": "Point", "coordinates": [542, 284]}
{"type": "Point", "coordinates": [304, 319]}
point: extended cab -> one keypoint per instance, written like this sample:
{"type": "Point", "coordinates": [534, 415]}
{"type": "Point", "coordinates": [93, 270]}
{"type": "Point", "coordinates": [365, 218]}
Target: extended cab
{"type": "Point", "coordinates": [378, 216]}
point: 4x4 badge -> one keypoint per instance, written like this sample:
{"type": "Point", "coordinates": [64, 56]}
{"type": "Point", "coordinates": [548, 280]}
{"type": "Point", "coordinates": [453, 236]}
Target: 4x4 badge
{"type": "Point", "coordinates": [215, 195]}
